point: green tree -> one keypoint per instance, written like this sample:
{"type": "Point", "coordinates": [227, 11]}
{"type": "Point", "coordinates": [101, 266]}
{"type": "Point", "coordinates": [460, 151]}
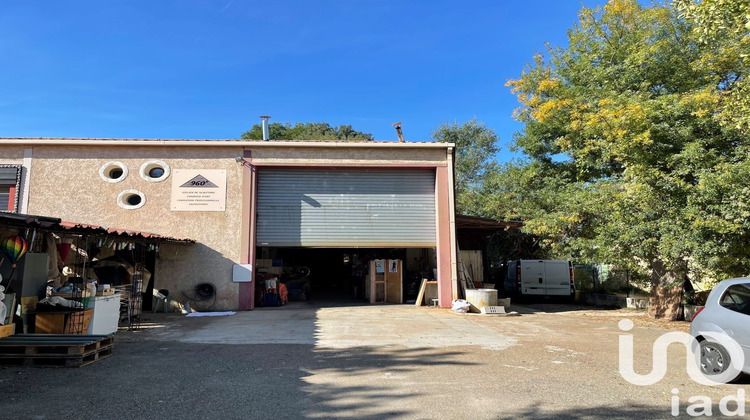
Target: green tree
{"type": "Point", "coordinates": [476, 146]}
{"type": "Point", "coordinates": [624, 160]}
{"type": "Point", "coordinates": [725, 24]}
{"type": "Point", "coordinates": [306, 131]}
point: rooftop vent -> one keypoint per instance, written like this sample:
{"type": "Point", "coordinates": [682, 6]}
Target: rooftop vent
{"type": "Point", "coordinates": [264, 125]}
{"type": "Point", "coordinates": [399, 132]}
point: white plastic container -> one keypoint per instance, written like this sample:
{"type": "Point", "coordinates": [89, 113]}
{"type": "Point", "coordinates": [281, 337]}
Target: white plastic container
{"type": "Point", "coordinates": [106, 314]}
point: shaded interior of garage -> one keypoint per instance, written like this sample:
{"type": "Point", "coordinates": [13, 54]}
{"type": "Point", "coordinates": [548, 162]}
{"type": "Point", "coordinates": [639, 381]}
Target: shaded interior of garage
{"type": "Point", "coordinates": [338, 275]}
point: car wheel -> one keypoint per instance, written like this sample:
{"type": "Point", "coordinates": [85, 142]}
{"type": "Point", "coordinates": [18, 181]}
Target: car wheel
{"type": "Point", "coordinates": [715, 358]}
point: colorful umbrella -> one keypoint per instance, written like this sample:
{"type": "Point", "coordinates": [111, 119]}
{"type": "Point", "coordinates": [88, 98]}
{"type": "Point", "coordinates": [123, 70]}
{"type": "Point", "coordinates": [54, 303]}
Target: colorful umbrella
{"type": "Point", "coordinates": [14, 248]}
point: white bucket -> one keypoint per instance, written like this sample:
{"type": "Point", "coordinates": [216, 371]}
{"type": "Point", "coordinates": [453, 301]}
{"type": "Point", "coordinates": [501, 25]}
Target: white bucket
{"type": "Point", "coordinates": [481, 297]}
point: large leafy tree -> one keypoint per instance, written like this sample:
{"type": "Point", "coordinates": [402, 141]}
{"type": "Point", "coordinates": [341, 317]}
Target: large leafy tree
{"type": "Point", "coordinates": [726, 25]}
{"type": "Point", "coordinates": [476, 146]}
{"type": "Point", "coordinates": [476, 151]}
{"type": "Point", "coordinates": [625, 161]}
{"type": "Point", "coordinates": [306, 131]}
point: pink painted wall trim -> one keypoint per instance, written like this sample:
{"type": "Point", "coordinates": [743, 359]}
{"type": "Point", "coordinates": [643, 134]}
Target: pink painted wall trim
{"type": "Point", "coordinates": [253, 228]}
{"type": "Point", "coordinates": [247, 290]}
{"type": "Point", "coordinates": [348, 165]}
{"type": "Point", "coordinates": [444, 258]}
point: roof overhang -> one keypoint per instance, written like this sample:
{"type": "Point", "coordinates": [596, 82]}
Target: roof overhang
{"type": "Point", "coordinates": [482, 223]}
{"type": "Point", "coordinates": [65, 141]}
{"type": "Point", "coordinates": [52, 224]}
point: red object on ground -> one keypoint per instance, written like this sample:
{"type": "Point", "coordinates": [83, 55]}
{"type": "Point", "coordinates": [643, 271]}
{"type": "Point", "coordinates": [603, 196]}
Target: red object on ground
{"type": "Point", "coordinates": [283, 294]}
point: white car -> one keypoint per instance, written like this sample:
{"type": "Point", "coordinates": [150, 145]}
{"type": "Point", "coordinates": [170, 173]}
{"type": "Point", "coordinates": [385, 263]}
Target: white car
{"type": "Point", "coordinates": [726, 315]}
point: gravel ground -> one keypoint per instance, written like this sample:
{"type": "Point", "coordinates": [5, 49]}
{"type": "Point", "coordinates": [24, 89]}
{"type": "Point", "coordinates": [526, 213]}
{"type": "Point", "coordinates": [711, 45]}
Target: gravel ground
{"type": "Point", "coordinates": [561, 363]}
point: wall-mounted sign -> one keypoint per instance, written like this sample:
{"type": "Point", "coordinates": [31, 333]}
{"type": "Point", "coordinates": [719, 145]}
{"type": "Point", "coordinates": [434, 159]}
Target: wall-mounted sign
{"type": "Point", "coordinates": [242, 273]}
{"type": "Point", "coordinates": [199, 190]}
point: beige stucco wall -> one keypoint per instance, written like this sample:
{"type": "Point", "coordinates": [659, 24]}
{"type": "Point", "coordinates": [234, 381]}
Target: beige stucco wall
{"type": "Point", "coordinates": [11, 153]}
{"type": "Point", "coordinates": [343, 156]}
{"type": "Point", "coordinates": [65, 183]}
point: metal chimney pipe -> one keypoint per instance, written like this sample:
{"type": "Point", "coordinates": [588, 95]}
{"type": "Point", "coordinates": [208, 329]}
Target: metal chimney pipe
{"type": "Point", "coordinates": [264, 126]}
{"type": "Point", "coordinates": [399, 132]}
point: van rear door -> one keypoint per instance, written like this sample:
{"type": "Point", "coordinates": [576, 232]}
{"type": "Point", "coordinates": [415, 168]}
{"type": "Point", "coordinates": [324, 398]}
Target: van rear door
{"type": "Point", "coordinates": [512, 285]}
{"type": "Point", "coordinates": [532, 277]}
{"type": "Point", "coordinates": [557, 278]}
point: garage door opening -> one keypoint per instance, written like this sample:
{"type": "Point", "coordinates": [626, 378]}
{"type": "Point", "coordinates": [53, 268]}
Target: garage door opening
{"type": "Point", "coordinates": [340, 276]}
{"type": "Point", "coordinates": [315, 227]}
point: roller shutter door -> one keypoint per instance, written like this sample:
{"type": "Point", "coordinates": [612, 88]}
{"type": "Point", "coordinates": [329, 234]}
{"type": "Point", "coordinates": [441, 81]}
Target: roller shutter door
{"type": "Point", "coordinates": [346, 208]}
{"type": "Point", "coordinates": [8, 182]}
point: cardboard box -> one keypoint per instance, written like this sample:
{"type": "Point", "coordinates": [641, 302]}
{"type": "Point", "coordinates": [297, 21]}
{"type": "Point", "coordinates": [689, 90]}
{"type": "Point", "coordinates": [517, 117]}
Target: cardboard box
{"type": "Point", "coordinates": [268, 262]}
{"type": "Point", "coordinates": [78, 322]}
{"type": "Point", "coordinates": [49, 323]}
{"type": "Point", "coordinates": [6, 330]}
{"type": "Point", "coordinates": [62, 322]}
{"type": "Point", "coordinates": [263, 262]}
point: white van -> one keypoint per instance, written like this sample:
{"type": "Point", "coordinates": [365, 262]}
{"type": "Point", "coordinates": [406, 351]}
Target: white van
{"type": "Point", "coordinates": [540, 278]}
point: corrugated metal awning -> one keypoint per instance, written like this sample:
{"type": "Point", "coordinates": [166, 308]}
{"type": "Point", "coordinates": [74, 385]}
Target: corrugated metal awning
{"type": "Point", "coordinates": [52, 224]}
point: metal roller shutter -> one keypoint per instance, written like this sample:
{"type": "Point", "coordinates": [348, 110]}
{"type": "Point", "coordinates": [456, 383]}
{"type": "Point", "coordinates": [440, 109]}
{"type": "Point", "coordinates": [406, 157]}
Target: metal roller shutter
{"type": "Point", "coordinates": [346, 208]}
{"type": "Point", "coordinates": [8, 175]}
{"type": "Point", "coordinates": [8, 181]}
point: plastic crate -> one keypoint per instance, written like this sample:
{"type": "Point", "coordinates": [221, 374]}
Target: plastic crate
{"type": "Point", "coordinates": [271, 299]}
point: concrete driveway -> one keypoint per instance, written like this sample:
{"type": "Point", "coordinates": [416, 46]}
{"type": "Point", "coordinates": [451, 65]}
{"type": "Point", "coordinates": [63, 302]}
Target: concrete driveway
{"type": "Point", "coordinates": [305, 361]}
{"type": "Point", "coordinates": [336, 327]}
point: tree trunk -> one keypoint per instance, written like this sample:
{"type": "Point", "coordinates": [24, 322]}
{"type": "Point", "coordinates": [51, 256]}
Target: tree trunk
{"type": "Point", "coordinates": [666, 292]}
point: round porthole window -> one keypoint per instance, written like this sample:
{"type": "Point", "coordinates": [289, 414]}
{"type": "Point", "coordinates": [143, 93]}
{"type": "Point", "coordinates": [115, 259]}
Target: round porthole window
{"type": "Point", "coordinates": [113, 171]}
{"type": "Point", "coordinates": [154, 171]}
{"type": "Point", "coordinates": [131, 199]}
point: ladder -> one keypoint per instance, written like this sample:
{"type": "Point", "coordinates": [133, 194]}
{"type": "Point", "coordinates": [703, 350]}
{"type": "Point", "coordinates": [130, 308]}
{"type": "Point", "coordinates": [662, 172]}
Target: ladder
{"type": "Point", "coordinates": [463, 275]}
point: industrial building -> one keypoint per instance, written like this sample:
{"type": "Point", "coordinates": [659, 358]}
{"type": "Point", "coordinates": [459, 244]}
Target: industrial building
{"type": "Point", "coordinates": [254, 209]}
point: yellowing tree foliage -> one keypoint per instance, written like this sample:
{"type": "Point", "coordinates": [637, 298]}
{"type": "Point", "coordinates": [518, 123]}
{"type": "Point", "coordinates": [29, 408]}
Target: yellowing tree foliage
{"type": "Point", "coordinates": [724, 25]}
{"type": "Point", "coordinates": [629, 158]}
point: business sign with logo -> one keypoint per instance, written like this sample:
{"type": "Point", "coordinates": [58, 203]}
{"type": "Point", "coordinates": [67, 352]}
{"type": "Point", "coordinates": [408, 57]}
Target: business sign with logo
{"type": "Point", "coordinates": [199, 190]}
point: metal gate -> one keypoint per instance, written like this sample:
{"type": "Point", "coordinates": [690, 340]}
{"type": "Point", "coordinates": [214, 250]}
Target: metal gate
{"type": "Point", "coordinates": [346, 208]}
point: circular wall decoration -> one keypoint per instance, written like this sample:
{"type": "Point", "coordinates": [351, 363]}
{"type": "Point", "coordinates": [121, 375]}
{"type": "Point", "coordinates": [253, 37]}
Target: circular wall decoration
{"type": "Point", "coordinates": [131, 199]}
{"type": "Point", "coordinates": [113, 171]}
{"type": "Point", "coordinates": [154, 171]}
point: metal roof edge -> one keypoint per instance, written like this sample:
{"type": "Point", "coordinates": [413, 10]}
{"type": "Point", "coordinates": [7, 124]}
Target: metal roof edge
{"type": "Point", "coordinates": [65, 141]}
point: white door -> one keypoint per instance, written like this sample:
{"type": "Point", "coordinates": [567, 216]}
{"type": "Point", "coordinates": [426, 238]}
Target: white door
{"type": "Point", "coordinates": [532, 277]}
{"type": "Point", "coordinates": [557, 278]}
{"type": "Point", "coordinates": [735, 316]}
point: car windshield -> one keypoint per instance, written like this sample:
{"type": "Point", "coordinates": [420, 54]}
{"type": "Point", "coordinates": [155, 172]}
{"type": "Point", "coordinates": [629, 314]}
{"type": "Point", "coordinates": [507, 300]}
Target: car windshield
{"type": "Point", "coordinates": [737, 298]}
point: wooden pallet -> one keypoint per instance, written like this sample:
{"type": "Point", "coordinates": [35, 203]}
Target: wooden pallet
{"type": "Point", "coordinates": [59, 350]}
{"type": "Point", "coordinates": [57, 361]}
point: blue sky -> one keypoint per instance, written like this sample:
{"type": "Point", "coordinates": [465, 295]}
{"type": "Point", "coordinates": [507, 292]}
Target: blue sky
{"type": "Point", "coordinates": [208, 69]}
